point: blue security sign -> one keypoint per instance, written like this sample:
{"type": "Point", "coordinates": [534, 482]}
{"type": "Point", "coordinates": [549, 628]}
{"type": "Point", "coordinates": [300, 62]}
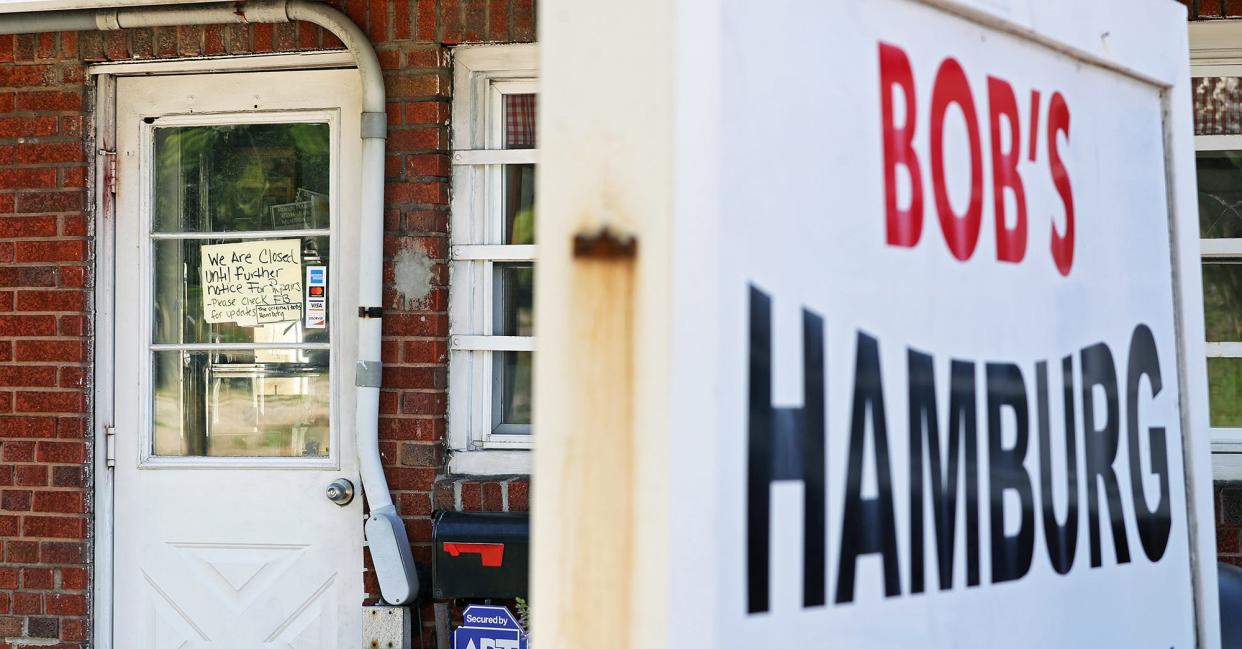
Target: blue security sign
{"type": "Point", "coordinates": [489, 627]}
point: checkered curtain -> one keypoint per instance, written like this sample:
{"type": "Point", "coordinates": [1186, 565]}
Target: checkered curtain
{"type": "Point", "coordinates": [520, 121]}
{"type": "Point", "coordinates": [1218, 105]}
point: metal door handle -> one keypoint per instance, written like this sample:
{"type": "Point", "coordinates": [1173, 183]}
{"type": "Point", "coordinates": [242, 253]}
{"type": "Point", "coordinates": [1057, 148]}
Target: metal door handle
{"type": "Point", "coordinates": [341, 491]}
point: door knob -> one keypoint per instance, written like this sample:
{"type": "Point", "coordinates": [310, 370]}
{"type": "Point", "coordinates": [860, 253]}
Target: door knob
{"type": "Point", "coordinates": [341, 491]}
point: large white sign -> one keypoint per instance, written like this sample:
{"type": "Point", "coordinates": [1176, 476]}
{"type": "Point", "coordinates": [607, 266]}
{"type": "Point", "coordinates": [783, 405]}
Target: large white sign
{"type": "Point", "coordinates": [947, 385]}
{"type": "Point", "coordinates": [906, 349]}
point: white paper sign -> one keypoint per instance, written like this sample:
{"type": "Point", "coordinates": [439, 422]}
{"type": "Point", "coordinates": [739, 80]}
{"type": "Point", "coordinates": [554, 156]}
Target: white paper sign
{"type": "Point", "coordinates": [930, 338]}
{"type": "Point", "coordinates": [252, 282]}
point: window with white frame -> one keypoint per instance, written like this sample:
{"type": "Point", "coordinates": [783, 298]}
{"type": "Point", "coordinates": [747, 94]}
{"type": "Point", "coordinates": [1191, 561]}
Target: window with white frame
{"type": "Point", "coordinates": [1218, 162]}
{"type": "Point", "coordinates": [1216, 68]}
{"type": "Point", "coordinates": [491, 315]}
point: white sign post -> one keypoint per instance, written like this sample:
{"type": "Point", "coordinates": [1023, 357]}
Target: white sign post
{"type": "Point", "coordinates": [907, 348]}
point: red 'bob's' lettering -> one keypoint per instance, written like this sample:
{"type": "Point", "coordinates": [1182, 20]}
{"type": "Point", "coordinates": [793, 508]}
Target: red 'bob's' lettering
{"type": "Point", "coordinates": [904, 223]}
{"type": "Point", "coordinates": [961, 232]}
{"type": "Point", "coordinates": [1010, 242]}
{"type": "Point", "coordinates": [905, 226]}
{"type": "Point", "coordinates": [1062, 243]}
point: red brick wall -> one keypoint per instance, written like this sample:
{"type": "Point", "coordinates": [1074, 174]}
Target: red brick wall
{"type": "Point", "coordinates": [44, 352]}
{"type": "Point", "coordinates": [45, 284]}
{"type": "Point", "coordinates": [1212, 8]}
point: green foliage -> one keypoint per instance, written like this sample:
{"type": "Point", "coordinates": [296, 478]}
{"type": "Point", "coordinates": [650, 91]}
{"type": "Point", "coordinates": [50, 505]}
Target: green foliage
{"type": "Point", "coordinates": [1225, 392]}
{"type": "Point", "coordinates": [523, 615]}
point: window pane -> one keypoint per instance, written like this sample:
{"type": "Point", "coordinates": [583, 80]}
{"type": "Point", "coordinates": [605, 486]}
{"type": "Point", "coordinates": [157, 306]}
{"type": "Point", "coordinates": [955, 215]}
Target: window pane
{"type": "Point", "coordinates": [1222, 300]}
{"type": "Point", "coordinates": [1220, 193]}
{"type": "Point", "coordinates": [265, 403]}
{"type": "Point", "coordinates": [183, 306]}
{"type": "Point", "coordinates": [1217, 105]}
{"type": "Point", "coordinates": [520, 121]}
{"type": "Point", "coordinates": [1225, 392]}
{"type": "Point", "coordinates": [514, 290]}
{"type": "Point", "coordinates": [511, 392]}
{"type": "Point", "coordinates": [519, 204]}
{"type": "Point", "coordinates": [235, 177]}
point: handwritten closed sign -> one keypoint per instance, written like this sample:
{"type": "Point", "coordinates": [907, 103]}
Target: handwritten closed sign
{"type": "Point", "coordinates": [252, 282]}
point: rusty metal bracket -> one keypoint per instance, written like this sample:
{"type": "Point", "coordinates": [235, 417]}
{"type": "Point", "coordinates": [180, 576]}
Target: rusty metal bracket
{"type": "Point", "coordinates": [605, 244]}
{"type": "Point", "coordinates": [370, 312]}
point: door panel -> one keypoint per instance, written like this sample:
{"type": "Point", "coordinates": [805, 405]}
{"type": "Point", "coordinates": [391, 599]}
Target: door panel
{"type": "Point", "coordinates": [233, 391]}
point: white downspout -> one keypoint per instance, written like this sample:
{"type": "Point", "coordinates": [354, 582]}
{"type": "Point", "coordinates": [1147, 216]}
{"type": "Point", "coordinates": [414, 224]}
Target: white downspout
{"type": "Point", "coordinates": [390, 547]}
{"type": "Point", "coordinates": [385, 531]}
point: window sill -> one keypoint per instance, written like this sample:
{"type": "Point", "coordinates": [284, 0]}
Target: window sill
{"type": "Point", "coordinates": [1226, 465]}
{"type": "Point", "coordinates": [492, 462]}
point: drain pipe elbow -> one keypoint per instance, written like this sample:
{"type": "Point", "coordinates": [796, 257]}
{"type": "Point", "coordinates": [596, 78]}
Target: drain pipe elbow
{"type": "Point", "coordinates": [385, 530]}
{"type": "Point", "coordinates": [373, 94]}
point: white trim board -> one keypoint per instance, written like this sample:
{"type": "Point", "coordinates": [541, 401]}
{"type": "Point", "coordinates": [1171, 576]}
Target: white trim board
{"type": "Point", "coordinates": [1226, 466]}
{"type": "Point", "coordinates": [489, 463]}
{"type": "Point", "coordinates": [320, 59]}
{"type": "Point", "coordinates": [1216, 43]}
{"type": "Point", "coordinates": [104, 380]}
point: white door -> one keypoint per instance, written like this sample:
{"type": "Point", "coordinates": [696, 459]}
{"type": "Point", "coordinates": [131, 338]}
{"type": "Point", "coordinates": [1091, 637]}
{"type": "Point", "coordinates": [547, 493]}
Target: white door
{"type": "Point", "coordinates": [234, 284]}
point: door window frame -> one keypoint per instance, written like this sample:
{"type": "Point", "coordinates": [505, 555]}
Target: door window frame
{"type": "Point", "coordinates": [146, 433]}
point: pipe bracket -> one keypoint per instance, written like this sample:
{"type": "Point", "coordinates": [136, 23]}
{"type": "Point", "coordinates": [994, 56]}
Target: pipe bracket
{"type": "Point", "coordinates": [108, 20]}
{"type": "Point", "coordinates": [368, 374]}
{"type": "Point", "coordinates": [605, 244]}
{"type": "Point", "coordinates": [374, 125]}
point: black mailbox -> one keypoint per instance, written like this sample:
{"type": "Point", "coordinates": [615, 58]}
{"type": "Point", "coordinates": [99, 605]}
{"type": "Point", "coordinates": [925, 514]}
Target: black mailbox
{"type": "Point", "coordinates": [480, 555]}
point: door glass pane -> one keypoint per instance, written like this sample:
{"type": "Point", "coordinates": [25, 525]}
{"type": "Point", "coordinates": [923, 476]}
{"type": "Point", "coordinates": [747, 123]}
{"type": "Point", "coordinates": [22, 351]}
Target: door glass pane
{"type": "Point", "coordinates": [519, 204]}
{"type": "Point", "coordinates": [228, 178]}
{"type": "Point", "coordinates": [1222, 300]}
{"type": "Point", "coordinates": [213, 289]}
{"type": "Point", "coordinates": [240, 287]}
{"type": "Point", "coordinates": [511, 390]}
{"type": "Point", "coordinates": [514, 290]}
{"type": "Point", "coordinates": [1220, 193]}
{"type": "Point", "coordinates": [265, 403]}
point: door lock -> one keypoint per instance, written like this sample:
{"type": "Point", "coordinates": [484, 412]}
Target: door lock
{"type": "Point", "coordinates": [341, 491]}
